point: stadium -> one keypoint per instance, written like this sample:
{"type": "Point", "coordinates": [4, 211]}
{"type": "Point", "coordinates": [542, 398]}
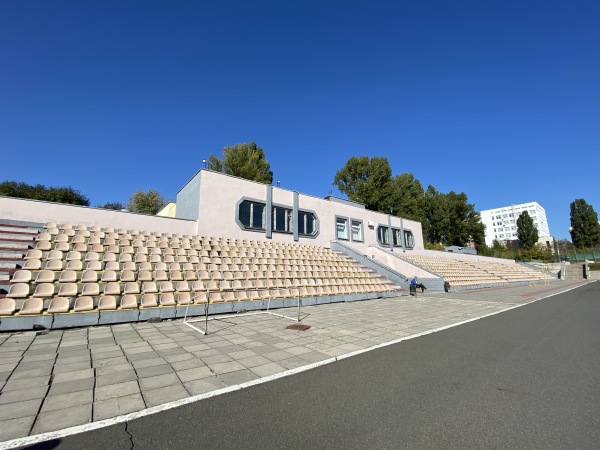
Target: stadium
{"type": "Point", "coordinates": [232, 246]}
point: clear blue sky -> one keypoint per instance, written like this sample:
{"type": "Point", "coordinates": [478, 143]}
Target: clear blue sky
{"type": "Point", "coordinates": [499, 99]}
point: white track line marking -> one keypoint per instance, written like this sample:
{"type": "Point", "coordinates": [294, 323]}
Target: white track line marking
{"type": "Point", "coordinates": [35, 439]}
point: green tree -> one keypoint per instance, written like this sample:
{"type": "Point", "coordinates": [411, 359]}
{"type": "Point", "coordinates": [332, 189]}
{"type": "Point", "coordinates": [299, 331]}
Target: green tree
{"type": "Point", "coordinates": [148, 202]}
{"type": "Point", "coordinates": [367, 181]}
{"type": "Point", "coordinates": [245, 161]}
{"type": "Point", "coordinates": [526, 231]}
{"type": "Point", "coordinates": [56, 194]}
{"type": "Point", "coordinates": [585, 229]}
{"type": "Point", "coordinates": [407, 197]}
{"type": "Point", "coordinates": [112, 205]}
{"type": "Point", "coordinates": [465, 223]}
{"type": "Point", "coordinates": [437, 216]}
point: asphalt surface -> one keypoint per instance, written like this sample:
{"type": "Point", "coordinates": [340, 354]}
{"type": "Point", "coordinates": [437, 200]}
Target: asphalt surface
{"type": "Point", "coordinates": [525, 378]}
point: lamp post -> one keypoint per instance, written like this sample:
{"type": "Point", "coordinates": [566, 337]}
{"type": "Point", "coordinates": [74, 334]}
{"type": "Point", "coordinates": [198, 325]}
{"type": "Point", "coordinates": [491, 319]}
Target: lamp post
{"type": "Point", "coordinates": [205, 163]}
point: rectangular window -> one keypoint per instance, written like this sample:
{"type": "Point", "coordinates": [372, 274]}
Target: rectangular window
{"type": "Point", "coordinates": [306, 223]}
{"type": "Point", "coordinates": [282, 220]}
{"type": "Point", "coordinates": [409, 239]}
{"type": "Point", "coordinates": [383, 235]}
{"type": "Point", "coordinates": [252, 215]}
{"type": "Point", "coordinates": [397, 237]}
{"type": "Point", "coordinates": [357, 230]}
{"type": "Point", "coordinates": [341, 228]}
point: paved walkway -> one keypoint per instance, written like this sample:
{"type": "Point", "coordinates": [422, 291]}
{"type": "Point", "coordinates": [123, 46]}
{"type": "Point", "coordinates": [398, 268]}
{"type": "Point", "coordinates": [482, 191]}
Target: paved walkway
{"type": "Point", "coordinates": [59, 379]}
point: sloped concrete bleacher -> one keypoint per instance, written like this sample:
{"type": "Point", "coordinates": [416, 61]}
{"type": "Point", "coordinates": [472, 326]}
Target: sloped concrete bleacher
{"type": "Point", "coordinates": [475, 273]}
{"type": "Point", "coordinates": [75, 276]}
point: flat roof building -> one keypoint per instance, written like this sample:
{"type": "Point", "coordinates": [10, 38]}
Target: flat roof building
{"type": "Point", "coordinates": [501, 223]}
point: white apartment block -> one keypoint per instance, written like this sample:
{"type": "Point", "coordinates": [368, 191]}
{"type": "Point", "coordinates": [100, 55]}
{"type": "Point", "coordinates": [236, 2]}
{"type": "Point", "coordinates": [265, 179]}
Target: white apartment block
{"type": "Point", "coordinates": [501, 223]}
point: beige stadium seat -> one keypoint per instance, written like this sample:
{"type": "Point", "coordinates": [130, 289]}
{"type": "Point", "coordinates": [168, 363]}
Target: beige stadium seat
{"type": "Point", "coordinates": [108, 276]}
{"type": "Point", "coordinates": [32, 306]}
{"type": "Point", "coordinates": [109, 256]}
{"type": "Point", "coordinates": [184, 298]}
{"type": "Point", "coordinates": [212, 285]}
{"type": "Point", "coordinates": [190, 275]}
{"type": "Point", "coordinates": [112, 288]}
{"type": "Point", "coordinates": [128, 276]}
{"type": "Point", "coordinates": [166, 286]}
{"type": "Point", "coordinates": [91, 289]}
{"type": "Point", "coordinates": [200, 298]}
{"type": "Point", "coordinates": [54, 254]}
{"type": "Point", "coordinates": [176, 275]}
{"type": "Point", "coordinates": [167, 299]}
{"type": "Point", "coordinates": [144, 275]}
{"type": "Point", "coordinates": [18, 290]}
{"type": "Point", "coordinates": [160, 275]}
{"type": "Point", "coordinates": [67, 290]}
{"type": "Point", "coordinates": [43, 246]}
{"type": "Point", "coordinates": [75, 265]}
{"type": "Point", "coordinates": [149, 301]}
{"type": "Point", "coordinates": [107, 303]}
{"type": "Point", "coordinates": [144, 266]}
{"type": "Point", "coordinates": [43, 237]}
{"type": "Point", "coordinates": [94, 265]}
{"type": "Point", "coordinates": [68, 276]}
{"type": "Point", "coordinates": [8, 306]}
{"type": "Point", "coordinates": [54, 264]}
{"type": "Point", "coordinates": [83, 304]}
{"type": "Point", "coordinates": [131, 288]}
{"type": "Point", "coordinates": [59, 305]}
{"type": "Point", "coordinates": [45, 276]}
{"type": "Point", "coordinates": [198, 286]}
{"type": "Point", "coordinates": [61, 238]}
{"type": "Point", "coordinates": [34, 254]}
{"type": "Point", "coordinates": [21, 276]}
{"type": "Point", "coordinates": [182, 286]}
{"type": "Point", "coordinates": [129, 265]}
{"type": "Point", "coordinates": [128, 301]}
{"type": "Point", "coordinates": [52, 231]}
{"type": "Point", "coordinates": [50, 225]}
{"type": "Point", "coordinates": [149, 287]}
{"type": "Point", "coordinates": [92, 256]}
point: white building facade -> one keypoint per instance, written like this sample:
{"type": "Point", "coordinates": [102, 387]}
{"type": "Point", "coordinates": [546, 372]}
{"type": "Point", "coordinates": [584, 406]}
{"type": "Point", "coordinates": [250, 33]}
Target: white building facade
{"type": "Point", "coordinates": [501, 223]}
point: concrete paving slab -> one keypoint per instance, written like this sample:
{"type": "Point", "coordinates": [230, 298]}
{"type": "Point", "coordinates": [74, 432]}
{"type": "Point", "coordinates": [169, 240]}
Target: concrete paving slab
{"type": "Point", "coordinates": [69, 400]}
{"type": "Point", "coordinates": [116, 390]}
{"type": "Point", "coordinates": [73, 375]}
{"type": "Point", "coordinates": [16, 395]}
{"type": "Point", "coordinates": [164, 394]}
{"type": "Point", "coordinates": [152, 371]}
{"type": "Point", "coordinates": [57, 420]}
{"type": "Point", "coordinates": [158, 381]}
{"type": "Point", "coordinates": [194, 374]}
{"type": "Point", "coordinates": [204, 385]}
{"type": "Point", "coordinates": [20, 409]}
{"type": "Point", "coordinates": [238, 377]}
{"type": "Point", "coordinates": [116, 377]}
{"type": "Point", "coordinates": [66, 387]}
{"type": "Point", "coordinates": [114, 407]}
{"type": "Point", "coordinates": [16, 428]}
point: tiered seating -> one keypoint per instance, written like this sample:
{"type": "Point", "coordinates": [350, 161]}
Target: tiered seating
{"type": "Point", "coordinates": [513, 272]}
{"type": "Point", "coordinates": [78, 269]}
{"type": "Point", "coordinates": [472, 273]}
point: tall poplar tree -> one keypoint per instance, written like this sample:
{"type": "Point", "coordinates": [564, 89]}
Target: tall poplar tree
{"type": "Point", "coordinates": [526, 231]}
{"type": "Point", "coordinates": [585, 229]}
